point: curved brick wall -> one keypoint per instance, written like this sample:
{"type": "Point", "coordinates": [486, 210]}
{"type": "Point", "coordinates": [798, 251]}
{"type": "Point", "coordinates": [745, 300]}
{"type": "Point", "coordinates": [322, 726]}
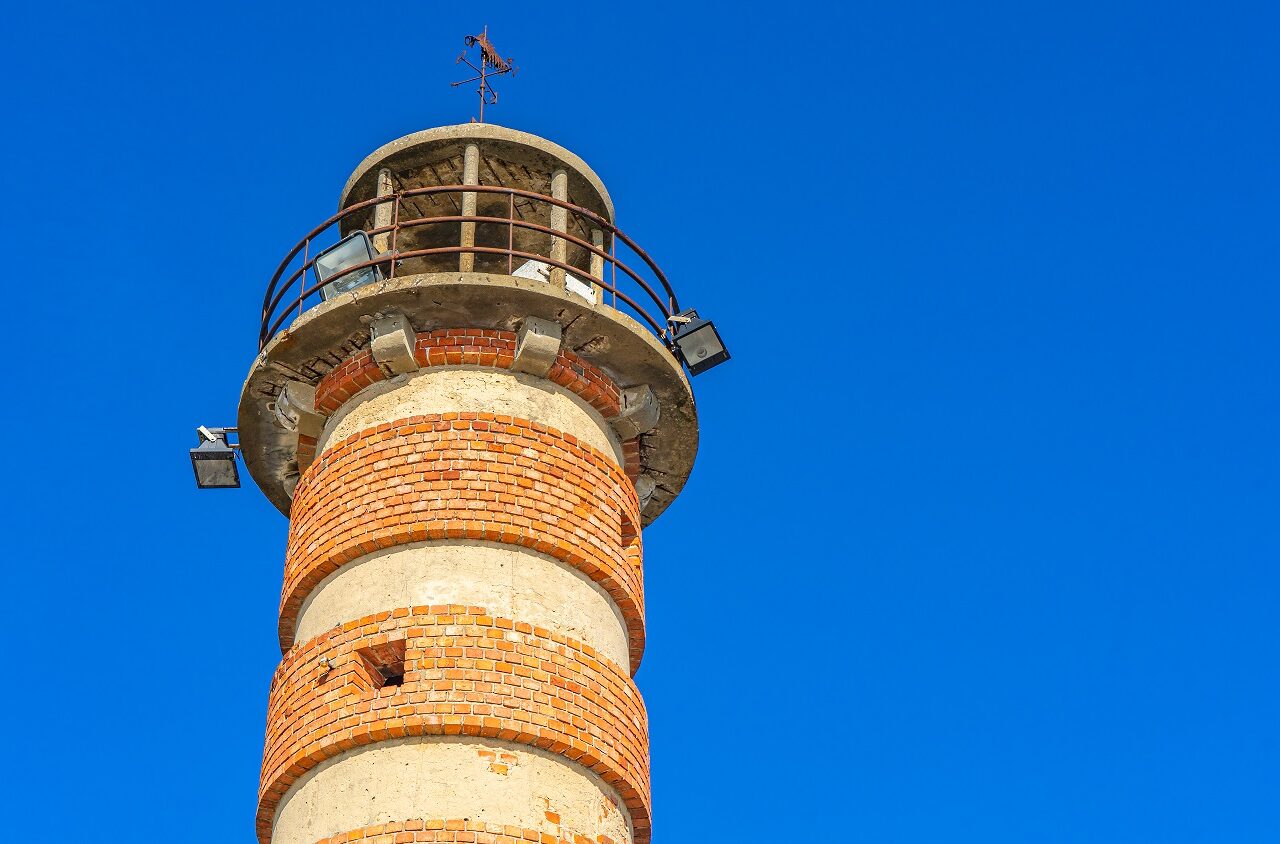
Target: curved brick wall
{"type": "Point", "coordinates": [468, 347]}
{"type": "Point", "coordinates": [466, 674]}
{"type": "Point", "coordinates": [472, 347]}
{"type": "Point", "coordinates": [409, 479]}
{"type": "Point", "coordinates": [472, 476]}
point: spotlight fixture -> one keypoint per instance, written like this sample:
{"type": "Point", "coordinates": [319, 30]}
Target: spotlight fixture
{"type": "Point", "coordinates": [214, 460]}
{"type": "Point", "coordinates": [698, 342]}
{"type": "Point", "coordinates": [351, 251]}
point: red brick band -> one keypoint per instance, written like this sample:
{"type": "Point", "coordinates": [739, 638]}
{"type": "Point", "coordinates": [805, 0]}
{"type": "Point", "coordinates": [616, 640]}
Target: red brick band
{"type": "Point", "coordinates": [470, 476]}
{"type": "Point", "coordinates": [473, 347]}
{"type": "Point", "coordinates": [458, 831]}
{"type": "Point", "coordinates": [462, 347]}
{"type": "Point", "coordinates": [465, 673]}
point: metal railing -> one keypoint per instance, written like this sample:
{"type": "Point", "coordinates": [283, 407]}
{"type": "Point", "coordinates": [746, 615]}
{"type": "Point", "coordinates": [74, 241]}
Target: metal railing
{"type": "Point", "coordinates": [289, 293]}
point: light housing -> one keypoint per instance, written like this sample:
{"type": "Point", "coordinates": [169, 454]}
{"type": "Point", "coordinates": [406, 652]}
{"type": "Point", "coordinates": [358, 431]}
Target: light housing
{"type": "Point", "coordinates": [214, 460]}
{"type": "Point", "coordinates": [698, 342]}
{"type": "Point", "coordinates": [352, 250]}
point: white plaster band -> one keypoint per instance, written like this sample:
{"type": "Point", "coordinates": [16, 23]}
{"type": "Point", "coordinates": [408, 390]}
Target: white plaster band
{"type": "Point", "coordinates": [505, 580]}
{"type": "Point", "coordinates": [463, 389]}
{"type": "Point", "coordinates": [483, 780]}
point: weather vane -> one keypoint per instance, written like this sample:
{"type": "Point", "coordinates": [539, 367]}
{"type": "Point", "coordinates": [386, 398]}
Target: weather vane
{"type": "Point", "coordinates": [491, 64]}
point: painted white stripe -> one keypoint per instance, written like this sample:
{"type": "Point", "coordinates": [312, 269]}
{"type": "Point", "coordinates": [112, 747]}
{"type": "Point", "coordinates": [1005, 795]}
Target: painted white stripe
{"type": "Point", "coordinates": [510, 582]}
{"type": "Point", "coordinates": [473, 390]}
{"type": "Point", "coordinates": [450, 778]}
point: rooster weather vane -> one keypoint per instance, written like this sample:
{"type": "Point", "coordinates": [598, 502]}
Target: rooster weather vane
{"type": "Point", "coordinates": [491, 64]}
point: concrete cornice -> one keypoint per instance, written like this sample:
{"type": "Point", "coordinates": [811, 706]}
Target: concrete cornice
{"type": "Point", "coordinates": [420, 145]}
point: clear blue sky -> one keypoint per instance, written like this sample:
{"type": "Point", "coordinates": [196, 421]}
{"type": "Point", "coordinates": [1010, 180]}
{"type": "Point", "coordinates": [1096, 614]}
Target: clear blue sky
{"type": "Point", "coordinates": [981, 543]}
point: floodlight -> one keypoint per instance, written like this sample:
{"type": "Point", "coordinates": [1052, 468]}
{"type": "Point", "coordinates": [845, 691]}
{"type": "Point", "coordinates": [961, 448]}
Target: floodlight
{"type": "Point", "coordinates": [352, 250]}
{"type": "Point", "coordinates": [698, 342]}
{"type": "Point", "coordinates": [214, 460]}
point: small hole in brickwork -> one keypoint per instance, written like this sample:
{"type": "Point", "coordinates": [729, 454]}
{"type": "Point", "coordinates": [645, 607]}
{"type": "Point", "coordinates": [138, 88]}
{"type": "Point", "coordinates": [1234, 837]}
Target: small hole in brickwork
{"type": "Point", "coordinates": [384, 664]}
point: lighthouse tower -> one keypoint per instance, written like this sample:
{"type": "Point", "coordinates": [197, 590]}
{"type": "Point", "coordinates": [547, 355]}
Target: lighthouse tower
{"type": "Point", "coordinates": [470, 398]}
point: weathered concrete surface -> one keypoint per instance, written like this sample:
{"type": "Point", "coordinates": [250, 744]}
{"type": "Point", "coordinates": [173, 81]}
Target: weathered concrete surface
{"type": "Point", "coordinates": [640, 412]}
{"type": "Point", "coordinates": [507, 581]}
{"type": "Point", "coordinates": [485, 781]}
{"type": "Point", "coordinates": [392, 340]}
{"type": "Point", "coordinates": [328, 333]}
{"type": "Point", "coordinates": [470, 176]}
{"type": "Point", "coordinates": [645, 486]}
{"type": "Point", "coordinates": [538, 156]}
{"type": "Point", "coordinates": [471, 389]}
{"type": "Point", "coordinates": [294, 409]}
{"type": "Point", "coordinates": [537, 345]}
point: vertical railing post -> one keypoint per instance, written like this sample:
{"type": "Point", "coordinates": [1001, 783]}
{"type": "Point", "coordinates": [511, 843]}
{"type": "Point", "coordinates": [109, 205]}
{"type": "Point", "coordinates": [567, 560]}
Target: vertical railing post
{"type": "Point", "coordinates": [302, 279]}
{"type": "Point", "coordinates": [511, 231]}
{"type": "Point", "coordinates": [470, 176]}
{"type": "Point", "coordinates": [560, 223]}
{"type": "Point", "coordinates": [395, 231]}
{"type": "Point", "coordinates": [613, 254]}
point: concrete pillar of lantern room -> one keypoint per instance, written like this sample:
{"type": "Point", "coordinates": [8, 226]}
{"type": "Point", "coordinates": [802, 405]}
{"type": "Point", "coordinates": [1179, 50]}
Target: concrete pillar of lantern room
{"type": "Point", "coordinates": [463, 603]}
{"type": "Point", "coordinates": [383, 212]}
{"type": "Point", "coordinates": [470, 176]}
{"type": "Point", "coordinates": [560, 223]}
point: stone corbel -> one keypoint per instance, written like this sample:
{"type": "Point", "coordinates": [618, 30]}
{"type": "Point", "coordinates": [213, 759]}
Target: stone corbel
{"type": "Point", "coordinates": [537, 345]}
{"type": "Point", "coordinates": [393, 343]}
{"type": "Point", "coordinates": [638, 414]}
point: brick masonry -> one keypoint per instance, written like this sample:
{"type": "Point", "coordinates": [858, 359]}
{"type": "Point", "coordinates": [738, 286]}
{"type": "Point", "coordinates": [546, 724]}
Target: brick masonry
{"type": "Point", "coordinates": [471, 347]}
{"type": "Point", "coordinates": [466, 673]}
{"type": "Point", "coordinates": [461, 476]}
{"type": "Point", "coordinates": [468, 347]}
{"type": "Point", "coordinates": [473, 476]}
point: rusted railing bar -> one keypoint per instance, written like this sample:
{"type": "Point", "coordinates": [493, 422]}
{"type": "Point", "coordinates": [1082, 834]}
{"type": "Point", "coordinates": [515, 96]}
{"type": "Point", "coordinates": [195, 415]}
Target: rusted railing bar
{"type": "Point", "coordinates": [306, 260]}
{"type": "Point", "coordinates": [493, 250]}
{"type": "Point", "coordinates": [577, 209]}
{"type": "Point", "coordinates": [317, 230]}
{"type": "Point", "coordinates": [423, 222]}
{"type": "Point", "coordinates": [449, 250]}
{"type": "Point", "coordinates": [276, 292]}
{"type": "Point", "coordinates": [395, 229]}
{"type": "Point", "coordinates": [512, 192]}
{"type": "Point", "coordinates": [275, 303]}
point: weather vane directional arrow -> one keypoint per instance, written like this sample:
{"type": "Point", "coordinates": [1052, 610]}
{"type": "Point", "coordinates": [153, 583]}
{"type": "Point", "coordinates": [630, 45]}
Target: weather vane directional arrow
{"type": "Point", "coordinates": [491, 64]}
